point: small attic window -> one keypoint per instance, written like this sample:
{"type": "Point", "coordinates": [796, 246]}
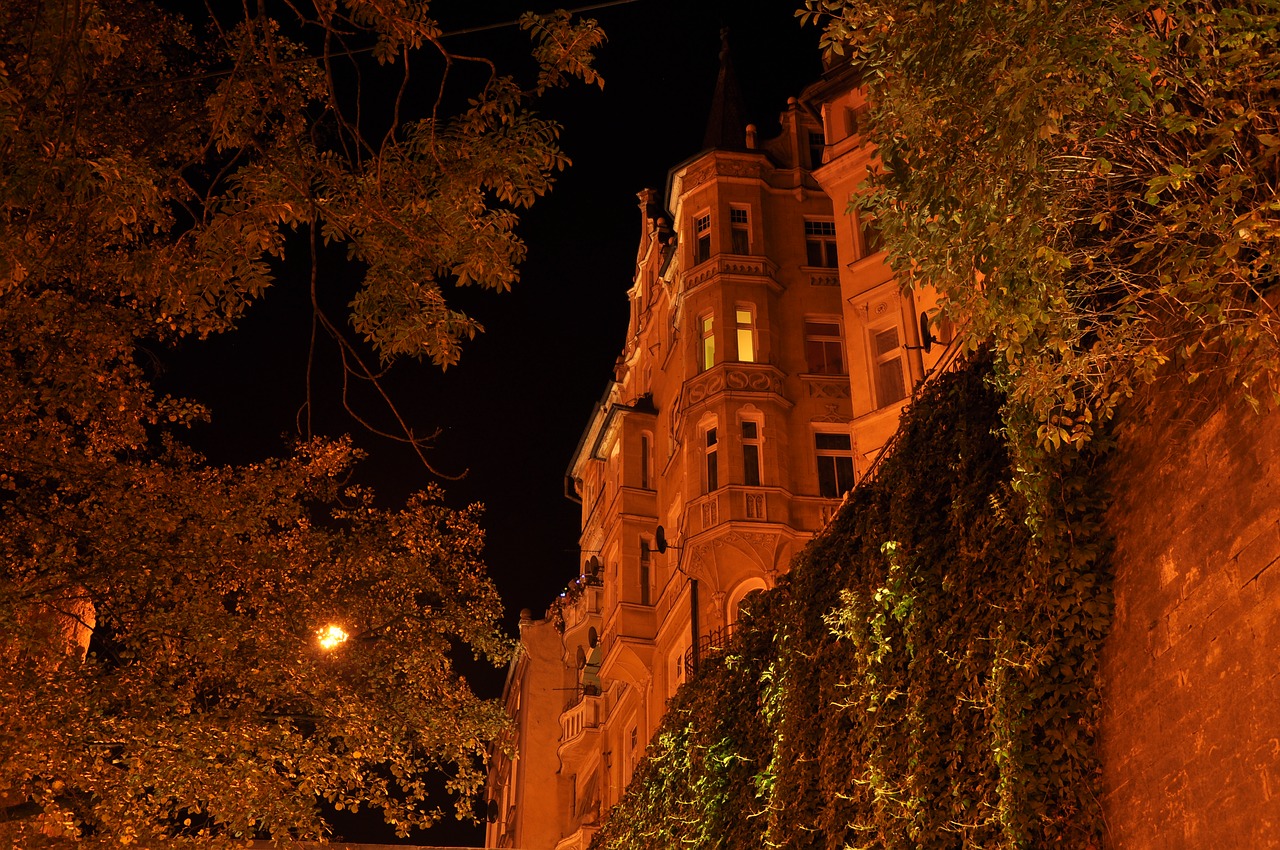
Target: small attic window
{"type": "Point", "coordinates": [817, 147]}
{"type": "Point", "coordinates": [702, 238]}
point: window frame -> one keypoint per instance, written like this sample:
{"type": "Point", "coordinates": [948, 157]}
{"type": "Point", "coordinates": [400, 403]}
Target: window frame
{"type": "Point", "coordinates": [826, 341]}
{"type": "Point", "coordinates": [817, 147]}
{"type": "Point", "coordinates": [706, 341]}
{"type": "Point", "coordinates": [740, 224]}
{"type": "Point", "coordinates": [644, 574]}
{"type": "Point", "coordinates": [749, 329]}
{"type": "Point", "coordinates": [876, 360]}
{"type": "Point", "coordinates": [870, 240]}
{"type": "Point", "coordinates": [820, 232]}
{"type": "Point", "coordinates": [701, 237]}
{"type": "Point", "coordinates": [710, 453]}
{"type": "Point", "coordinates": [752, 445]}
{"type": "Point", "coordinates": [823, 454]}
{"type": "Point", "coordinates": [646, 460]}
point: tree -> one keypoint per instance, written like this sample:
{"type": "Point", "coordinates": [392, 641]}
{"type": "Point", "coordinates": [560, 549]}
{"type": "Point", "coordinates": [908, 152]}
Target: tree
{"type": "Point", "coordinates": [1090, 184]}
{"type": "Point", "coordinates": [153, 170]}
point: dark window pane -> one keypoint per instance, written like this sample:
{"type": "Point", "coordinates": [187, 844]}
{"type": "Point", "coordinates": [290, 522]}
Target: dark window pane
{"type": "Point", "coordinates": [749, 430]}
{"type": "Point", "coordinates": [829, 255]}
{"type": "Point", "coordinates": [832, 442]}
{"type": "Point", "coordinates": [844, 474]}
{"type": "Point", "coordinates": [741, 242]}
{"type": "Point", "coordinates": [890, 386]}
{"type": "Point", "coordinates": [827, 486]}
{"type": "Point", "coordinates": [871, 236]}
{"type": "Point", "coordinates": [751, 460]}
{"type": "Point", "coordinates": [813, 253]}
{"type": "Point", "coordinates": [835, 363]}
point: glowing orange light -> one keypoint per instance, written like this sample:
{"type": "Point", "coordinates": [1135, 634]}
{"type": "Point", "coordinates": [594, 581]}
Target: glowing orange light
{"type": "Point", "coordinates": [332, 636]}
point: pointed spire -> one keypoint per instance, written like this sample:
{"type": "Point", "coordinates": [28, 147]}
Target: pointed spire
{"type": "Point", "coordinates": [726, 125]}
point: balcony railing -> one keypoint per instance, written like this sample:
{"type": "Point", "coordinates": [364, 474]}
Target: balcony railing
{"type": "Point", "coordinates": [581, 716]}
{"type": "Point", "coordinates": [707, 645]}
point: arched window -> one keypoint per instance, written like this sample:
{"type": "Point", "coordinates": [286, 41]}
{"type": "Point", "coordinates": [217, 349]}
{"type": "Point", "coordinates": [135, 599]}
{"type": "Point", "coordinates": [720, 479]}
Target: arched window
{"type": "Point", "coordinates": [733, 608]}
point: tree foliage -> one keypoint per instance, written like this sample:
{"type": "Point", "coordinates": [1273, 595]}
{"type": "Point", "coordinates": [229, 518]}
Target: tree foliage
{"type": "Point", "coordinates": [1090, 184]}
{"type": "Point", "coordinates": [151, 169]}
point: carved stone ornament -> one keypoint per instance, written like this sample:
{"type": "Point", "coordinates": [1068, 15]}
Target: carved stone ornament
{"type": "Point", "coordinates": [761, 547]}
{"type": "Point", "coordinates": [734, 379]}
{"type": "Point", "coordinates": [695, 177]}
{"type": "Point", "coordinates": [738, 168]}
{"type": "Point", "coordinates": [828, 389]}
{"type": "Point", "coordinates": [753, 381]}
{"type": "Point", "coordinates": [879, 307]}
{"type": "Point", "coordinates": [831, 416]}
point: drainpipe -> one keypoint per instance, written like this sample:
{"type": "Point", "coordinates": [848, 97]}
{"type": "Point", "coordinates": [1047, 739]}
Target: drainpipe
{"type": "Point", "coordinates": [693, 620]}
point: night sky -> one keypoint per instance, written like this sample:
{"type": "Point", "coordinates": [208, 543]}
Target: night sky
{"type": "Point", "coordinates": [511, 413]}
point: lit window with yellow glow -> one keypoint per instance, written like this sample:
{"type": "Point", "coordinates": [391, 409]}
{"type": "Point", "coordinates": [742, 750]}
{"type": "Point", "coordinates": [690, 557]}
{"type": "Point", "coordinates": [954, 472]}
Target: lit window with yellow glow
{"type": "Point", "coordinates": [745, 319]}
{"type": "Point", "coordinates": [707, 352]}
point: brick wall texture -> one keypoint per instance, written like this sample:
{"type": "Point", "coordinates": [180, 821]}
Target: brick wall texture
{"type": "Point", "coordinates": [1191, 670]}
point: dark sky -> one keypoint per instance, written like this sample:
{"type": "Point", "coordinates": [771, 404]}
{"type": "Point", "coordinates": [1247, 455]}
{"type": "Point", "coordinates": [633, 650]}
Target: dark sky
{"type": "Point", "coordinates": [512, 411]}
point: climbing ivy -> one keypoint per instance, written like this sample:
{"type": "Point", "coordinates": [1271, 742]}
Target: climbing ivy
{"type": "Point", "coordinates": [701, 784]}
{"type": "Point", "coordinates": [924, 677]}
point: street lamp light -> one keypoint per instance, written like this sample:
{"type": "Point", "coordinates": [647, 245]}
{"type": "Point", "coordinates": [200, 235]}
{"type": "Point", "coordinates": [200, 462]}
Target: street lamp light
{"type": "Point", "coordinates": [332, 636]}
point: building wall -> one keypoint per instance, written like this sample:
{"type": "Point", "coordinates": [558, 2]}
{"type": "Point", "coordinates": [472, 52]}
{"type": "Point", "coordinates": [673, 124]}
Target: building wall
{"type": "Point", "coordinates": [882, 322]}
{"type": "Point", "coordinates": [526, 803]}
{"type": "Point", "coordinates": [1190, 739]}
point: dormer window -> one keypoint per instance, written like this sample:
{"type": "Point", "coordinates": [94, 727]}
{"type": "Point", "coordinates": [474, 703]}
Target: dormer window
{"type": "Point", "coordinates": [817, 146]}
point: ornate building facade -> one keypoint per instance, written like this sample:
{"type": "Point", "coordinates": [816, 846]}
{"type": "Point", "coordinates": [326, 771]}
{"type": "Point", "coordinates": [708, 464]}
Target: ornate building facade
{"type": "Point", "coordinates": [766, 361]}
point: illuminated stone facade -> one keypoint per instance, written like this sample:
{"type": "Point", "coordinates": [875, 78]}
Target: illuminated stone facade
{"type": "Point", "coordinates": [883, 330]}
{"type": "Point", "coordinates": [756, 381]}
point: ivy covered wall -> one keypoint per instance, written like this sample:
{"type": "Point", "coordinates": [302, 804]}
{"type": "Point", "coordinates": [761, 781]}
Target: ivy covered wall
{"type": "Point", "coordinates": [925, 677]}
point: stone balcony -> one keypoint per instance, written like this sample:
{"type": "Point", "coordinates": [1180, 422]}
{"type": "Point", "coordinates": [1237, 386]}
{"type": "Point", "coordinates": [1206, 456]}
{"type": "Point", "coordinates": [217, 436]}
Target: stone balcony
{"type": "Point", "coordinates": [739, 267]}
{"type": "Point", "coordinates": [579, 839]}
{"type": "Point", "coordinates": [756, 381]}
{"type": "Point", "coordinates": [580, 724]}
{"type": "Point", "coordinates": [583, 610]}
